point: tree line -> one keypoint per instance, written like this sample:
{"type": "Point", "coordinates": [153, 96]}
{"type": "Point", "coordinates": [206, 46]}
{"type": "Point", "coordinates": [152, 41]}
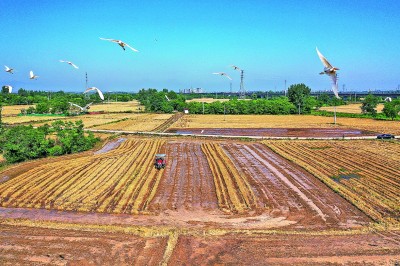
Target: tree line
{"type": "Point", "coordinates": [21, 143]}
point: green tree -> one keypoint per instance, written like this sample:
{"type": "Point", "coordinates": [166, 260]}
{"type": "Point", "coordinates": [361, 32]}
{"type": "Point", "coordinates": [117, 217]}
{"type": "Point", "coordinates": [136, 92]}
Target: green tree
{"type": "Point", "coordinates": [25, 143]}
{"type": "Point", "coordinates": [369, 104]}
{"type": "Point", "coordinates": [42, 108]}
{"type": "Point", "coordinates": [392, 109]}
{"type": "Point", "coordinates": [71, 137]}
{"type": "Point", "coordinates": [297, 94]}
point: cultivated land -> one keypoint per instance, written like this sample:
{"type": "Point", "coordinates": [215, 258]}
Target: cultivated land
{"type": "Point", "coordinates": [13, 110]}
{"type": "Point", "coordinates": [354, 108]}
{"type": "Point", "coordinates": [275, 202]}
{"type": "Point", "coordinates": [115, 107]}
{"type": "Point", "coordinates": [284, 121]}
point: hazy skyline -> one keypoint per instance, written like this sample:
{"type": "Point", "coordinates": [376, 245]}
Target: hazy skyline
{"type": "Point", "coordinates": [181, 43]}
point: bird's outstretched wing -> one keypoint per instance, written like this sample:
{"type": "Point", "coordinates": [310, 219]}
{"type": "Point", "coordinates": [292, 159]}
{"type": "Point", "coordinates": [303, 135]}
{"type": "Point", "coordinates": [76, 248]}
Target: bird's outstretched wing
{"type": "Point", "coordinates": [222, 74]}
{"type": "Point", "coordinates": [227, 76]}
{"type": "Point", "coordinates": [105, 39]}
{"type": "Point", "coordinates": [323, 59]}
{"type": "Point", "coordinates": [334, 85]}
{"type": "Point", "coordinates": [72, 64]}
{"type": "Point", "coordinates": [97, 90]}
{"type": "Point", "coordinates": [100, 94]}
{"type": "Point", "coordinates": [130, 47]}
{"type": "Point", "coordinates": [80, 107]}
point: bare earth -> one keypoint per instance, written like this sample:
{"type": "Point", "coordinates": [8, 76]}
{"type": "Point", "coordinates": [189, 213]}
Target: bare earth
{"type": "Point", "coordinates": [295, 218]}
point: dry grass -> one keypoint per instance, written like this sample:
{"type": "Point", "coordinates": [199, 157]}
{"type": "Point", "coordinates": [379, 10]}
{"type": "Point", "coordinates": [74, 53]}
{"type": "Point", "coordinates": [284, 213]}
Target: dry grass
{"type": "Point", "coordinates": [119, 181]}
{"type": "Point", "coordinates": [115, 107]}
{"type": "Point", "coordinates": [14, 109]}
{"type": "Point", "coordinates": [12, 120]}
{"type": "Point", "coordinates": [97, 119]}
{"type": "Point", "coordinates": [354, 108]}
{"type": "Point", "coordinates": [138, 122]}
{"type": "Point", "coordinates": [284, 121]}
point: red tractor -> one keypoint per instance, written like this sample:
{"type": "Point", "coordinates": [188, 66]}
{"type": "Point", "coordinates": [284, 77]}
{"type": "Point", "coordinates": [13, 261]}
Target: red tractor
{"type": "Point", "coordinates": [160, 161]}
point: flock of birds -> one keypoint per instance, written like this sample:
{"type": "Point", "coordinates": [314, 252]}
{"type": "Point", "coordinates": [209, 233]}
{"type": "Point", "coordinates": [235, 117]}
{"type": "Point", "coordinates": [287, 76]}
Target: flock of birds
{"type": "Point", "coordinates": [33, 76]}
{"type": "Point", "coordinates": [328, 69]}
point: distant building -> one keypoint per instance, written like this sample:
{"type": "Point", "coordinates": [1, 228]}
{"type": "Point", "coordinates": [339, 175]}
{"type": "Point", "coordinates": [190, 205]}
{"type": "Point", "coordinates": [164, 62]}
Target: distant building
{"type": "Point", "coordinates": [191, 90]}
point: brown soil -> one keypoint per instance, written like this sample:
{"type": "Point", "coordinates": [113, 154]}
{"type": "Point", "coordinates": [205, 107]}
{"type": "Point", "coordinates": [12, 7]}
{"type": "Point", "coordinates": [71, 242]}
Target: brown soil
{"type": "Point", "coordinates": [289, 191]}
{"type": "Point", "coordinates": [309, 219]}
{"type": "Point", "coordinates": [363, 249]}
{"type": "Point", "coordinates": [38, 246]}
{"type": "Point", "coordinates": [276, 132]}
{"type": "Point", "coordinates": [42, 246]}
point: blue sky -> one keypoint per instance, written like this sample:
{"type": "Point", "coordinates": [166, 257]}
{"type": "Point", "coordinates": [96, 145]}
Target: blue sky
{"type": "Point", "coordinates": [181, 43]}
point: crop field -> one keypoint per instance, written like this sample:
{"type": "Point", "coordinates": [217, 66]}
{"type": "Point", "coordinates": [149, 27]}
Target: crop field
{"type": "Point", "coordinates": [12, 110]}
{"type": "Point", "coordinates": [284, 121]}
{"type": "Point", "coordinates": [116, 107]}
{"type": "Point", "coordinates": [216, 202]}
{"type": "Point", "coordinates": [124, 121]}
{"type": "Point", "coordinates": [366, 173]}
{"type": "Point", "coordinates": [121, 181]}
{"type": "Point", "coordinates": [136, 122]}
{"type": "Point", "coordinates": [14, 120]}
{"type": "Point", "coordinates": [354, 108]}
{"type": "Point", "coordinates": [233, 179]}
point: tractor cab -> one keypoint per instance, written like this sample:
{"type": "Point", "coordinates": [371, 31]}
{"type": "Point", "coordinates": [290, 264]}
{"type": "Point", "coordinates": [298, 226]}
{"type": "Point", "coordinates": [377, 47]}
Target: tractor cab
{"type": "Point", "coordinates": [160, 161]}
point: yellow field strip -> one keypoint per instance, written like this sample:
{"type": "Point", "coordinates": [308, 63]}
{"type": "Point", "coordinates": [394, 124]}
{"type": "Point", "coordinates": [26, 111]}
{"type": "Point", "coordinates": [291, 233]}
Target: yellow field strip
{"type": "Point", "coordinates": [122, 180]}
{"type": "Point", "coordinates": [233, 190]}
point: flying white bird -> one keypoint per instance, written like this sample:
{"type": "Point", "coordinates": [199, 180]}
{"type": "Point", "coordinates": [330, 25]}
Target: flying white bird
{"type": "Point", "coordinates": [222, 74]}
{"type": "Point", "coordinates": [235, 67]}
{"type": "Point", "coordinates": [97, 90]}
{"type": "Point", "coordinates": [330, 71]}
{"type": "Point", "coordinates": [9, 70]}
{"type": "Point", "coordinates": [120, 43]}
{"type": "Point", "coordinates": [70, 63]}
{"type": "Point", "coordinates": [32, 76]}
{"type": "Point", "coordinates": [83, 109]}
{"type": "Point", "coordinates": [8, 87]}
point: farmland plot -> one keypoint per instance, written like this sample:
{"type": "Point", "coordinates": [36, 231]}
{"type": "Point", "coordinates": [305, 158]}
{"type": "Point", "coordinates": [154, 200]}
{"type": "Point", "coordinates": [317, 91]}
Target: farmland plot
{"type": "Point", "coordinates": [119, 181]}
{"type": "Point", "coordinates": [367, 173]}
{"type": "Point", "coordinates": [287, 190]}
{"type": "Point", "coordinates": [13, 110]}
{"type": "Point", "coordinates": [136, 122]}
{"type": "Point", "coordinates": [187, 182]}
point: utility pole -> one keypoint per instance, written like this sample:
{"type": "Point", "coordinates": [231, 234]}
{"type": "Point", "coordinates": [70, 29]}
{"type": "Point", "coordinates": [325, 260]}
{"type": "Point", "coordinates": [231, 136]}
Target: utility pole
{"type": "Point", "coordinates": [242, 92]}
{"type": "Point", "coordinates": [285, 88]}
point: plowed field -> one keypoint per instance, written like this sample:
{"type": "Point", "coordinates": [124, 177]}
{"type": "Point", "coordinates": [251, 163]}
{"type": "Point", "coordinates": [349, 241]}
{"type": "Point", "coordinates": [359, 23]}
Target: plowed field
{"type": "Point", "coordinates": [367, 173]}
{"type": "Point", "coordinates": [216, 202]}
{"type": "Point", "coordinates": [205, 177]}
